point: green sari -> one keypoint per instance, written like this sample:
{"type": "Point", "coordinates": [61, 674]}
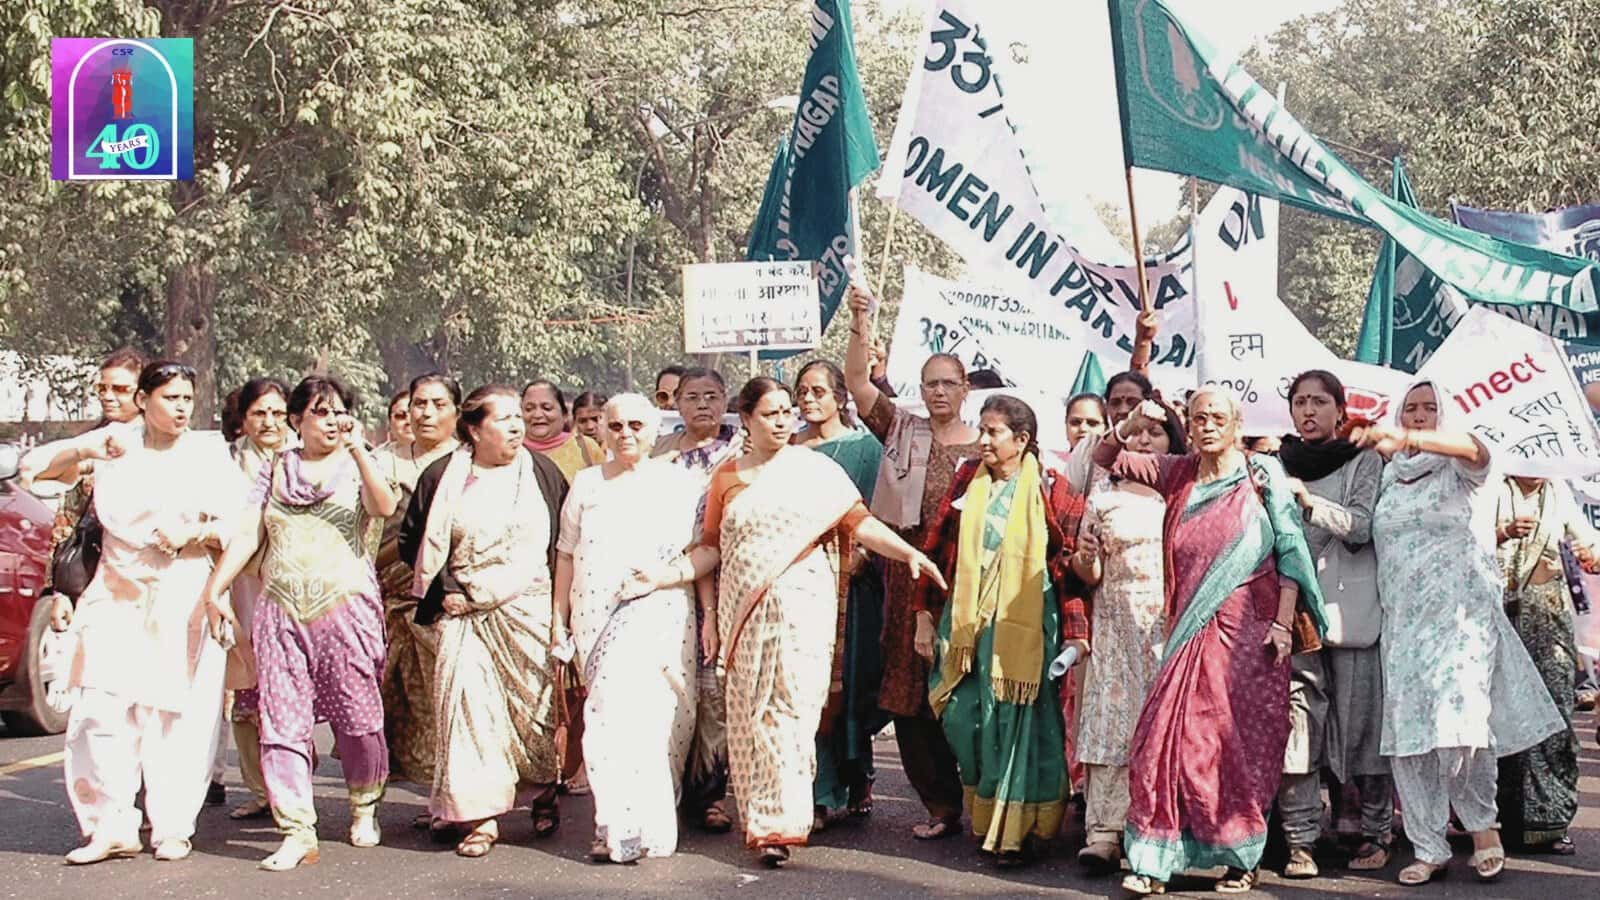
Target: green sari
{"type": "Point", "coordinates": [844, 748]}
{"type": "Point", "coordinates": [1012, 769]}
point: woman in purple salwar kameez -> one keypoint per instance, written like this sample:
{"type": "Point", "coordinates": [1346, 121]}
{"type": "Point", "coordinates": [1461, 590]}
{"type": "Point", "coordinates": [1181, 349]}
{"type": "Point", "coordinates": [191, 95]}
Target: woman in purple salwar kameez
{"type": "Point", "coordinates": [318, 629]}
{"type": "Point", "coordinates": [1208, 749]}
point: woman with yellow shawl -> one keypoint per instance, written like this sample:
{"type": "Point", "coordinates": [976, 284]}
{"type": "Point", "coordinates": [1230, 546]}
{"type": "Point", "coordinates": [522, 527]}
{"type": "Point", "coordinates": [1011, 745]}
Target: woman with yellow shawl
{"type": "Point", "coordinates": [997, 535]}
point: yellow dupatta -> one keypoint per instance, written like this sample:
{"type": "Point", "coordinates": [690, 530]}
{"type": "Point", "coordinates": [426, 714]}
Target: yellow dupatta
{"type": "Point", "coordinates": [1008, 592]}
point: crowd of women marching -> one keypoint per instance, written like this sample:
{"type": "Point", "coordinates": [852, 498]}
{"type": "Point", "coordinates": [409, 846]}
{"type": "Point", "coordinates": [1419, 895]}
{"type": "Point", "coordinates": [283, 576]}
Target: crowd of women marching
{"type": "Point", "coordinates": [516, 597]}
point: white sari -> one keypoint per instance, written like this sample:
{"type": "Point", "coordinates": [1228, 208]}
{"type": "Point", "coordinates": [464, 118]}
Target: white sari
{"type": "Point", "coordinates": [638, 657]}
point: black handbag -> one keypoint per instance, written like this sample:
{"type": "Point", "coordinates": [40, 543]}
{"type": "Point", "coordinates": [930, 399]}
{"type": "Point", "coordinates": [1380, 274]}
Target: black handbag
{"type": "Point", "coordinates": [73, 564]}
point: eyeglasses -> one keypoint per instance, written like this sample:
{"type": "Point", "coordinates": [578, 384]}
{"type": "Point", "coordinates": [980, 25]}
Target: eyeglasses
{"type": "Point", "coordinates": [115, 390]}
{"type": "Point", "coordinates": [816, 390]}
{"type": "Point", "coordinates": [663, 398]}
{"type": "Point", "coordinates": [947, 384]}
{"type": "Point", "coordinates": [711, 399]}
{"type": "Point", "coordinates": [633, 425]}
{"type": "Point", "coordinates": [171, 370]}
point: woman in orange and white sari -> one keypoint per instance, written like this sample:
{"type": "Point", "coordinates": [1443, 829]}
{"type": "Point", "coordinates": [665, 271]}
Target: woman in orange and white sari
{"type": "Point", "coordinates": [778, 520]}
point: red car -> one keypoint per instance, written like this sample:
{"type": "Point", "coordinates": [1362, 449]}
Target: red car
{"type": "Point", "coordinates": [25, 525]}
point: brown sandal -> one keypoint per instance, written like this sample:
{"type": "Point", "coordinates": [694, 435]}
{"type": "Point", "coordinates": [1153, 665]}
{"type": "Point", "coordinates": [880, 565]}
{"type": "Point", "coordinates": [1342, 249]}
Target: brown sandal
{"type": "Point", "coordinates": [1370, 856]}
{"type": "Point", "coordinates": [936, 829]}
{"type": "Point", "coordinates": [715, 819]}
{"type": "Point", "coordinates": [477, 844]}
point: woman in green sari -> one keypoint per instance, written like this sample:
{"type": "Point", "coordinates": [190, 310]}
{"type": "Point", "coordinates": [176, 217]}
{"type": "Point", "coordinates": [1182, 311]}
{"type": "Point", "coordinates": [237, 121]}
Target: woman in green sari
{"type": "Point", "coordinates": [843, 785]}
{"type": "Point", "coordinates": [999, 543]}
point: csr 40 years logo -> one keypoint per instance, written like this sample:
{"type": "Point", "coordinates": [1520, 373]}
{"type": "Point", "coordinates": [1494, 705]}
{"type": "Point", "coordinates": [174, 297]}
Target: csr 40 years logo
{"type": "Point", "coordinates": [122, 108]}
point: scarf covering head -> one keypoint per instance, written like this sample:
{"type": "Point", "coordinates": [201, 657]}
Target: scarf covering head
{"type": "Point", "coordinates": [1409, 466]}
{"type": "Point", "coordinates": [1315, 460]}
{"type": "Point", "coordinates": [1009, 592]}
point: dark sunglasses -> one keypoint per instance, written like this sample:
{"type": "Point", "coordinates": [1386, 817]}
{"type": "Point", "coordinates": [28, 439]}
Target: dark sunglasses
{"type": "Point", "coordinates": [633, 425]}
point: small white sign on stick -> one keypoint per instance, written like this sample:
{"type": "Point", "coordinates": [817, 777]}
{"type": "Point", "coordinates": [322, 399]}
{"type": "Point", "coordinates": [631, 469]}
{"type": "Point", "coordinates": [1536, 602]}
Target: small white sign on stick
{"type": "Point", "coordinates": [744, 306]}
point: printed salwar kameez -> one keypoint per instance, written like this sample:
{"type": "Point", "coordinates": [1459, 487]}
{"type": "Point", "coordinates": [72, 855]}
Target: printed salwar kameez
{"type": "Point", "coordinates": [637, 657]}
{"type": "Point", "coordinates": [149, 674]}
{"type": "Point", "coordinates": [1441, 591]}
{"type": "Point", "coordinates": [1208, 748]}
{"type": "Point", "coordinates": [488, 532]}
{"type": "Point", "coordinates": [1539, 786]}
{"type": "Point", "coordinates": [777, 613]}
{"type": "Point", "coordinates": [318, 638]}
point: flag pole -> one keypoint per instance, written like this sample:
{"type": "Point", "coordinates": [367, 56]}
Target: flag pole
{"type": "Point", "coordinates": [1138, 246]}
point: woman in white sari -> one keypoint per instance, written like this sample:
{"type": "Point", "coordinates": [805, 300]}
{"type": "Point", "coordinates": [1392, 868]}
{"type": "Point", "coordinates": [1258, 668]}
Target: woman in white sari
{"type": "Point", "coordinates": [637, 656]}
{"type": "Point", "coordinates": [150, 677]}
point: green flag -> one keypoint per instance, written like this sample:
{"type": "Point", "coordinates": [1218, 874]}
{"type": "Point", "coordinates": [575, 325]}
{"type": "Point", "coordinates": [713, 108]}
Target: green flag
{"type": "Point", "coordinates": [1090, 379]}
{"type": "Point", "coordinates": [1375, 343]}
{"type": "Point", "coordinates": [805, 210]}
{"type": "Point", "coordinates": [1188, 109]}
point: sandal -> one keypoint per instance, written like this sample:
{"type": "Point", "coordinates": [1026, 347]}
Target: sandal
{"type": "Point", "coordinates": [1301, 865]}
{"type": "Point", "coordinates": [599, 851]}
{"type": "Point", "coordinates": [861, 801]}
{"type": "Point", "coordinates": [936, 829]}
{"type": "Point", "coordinates": [250, 809]}
{"type": "Point", "coordinates": [1421, 872]}
{"type": "Point", "coordinates": [1238, 881]}
{"type": "Point", "coordinates": [1371, 856]}
{"type": "Point", "coordinates": [546, 814]}
{"type": "Point", "coordinates": [1143, 885]}
{"type": "Point", "coordinates": [715, 819]}
{"type": "Point", "coordinates": [1489, 863]}
{"type": "Point", "coordinates": [477, 844]}
{"type": "Point", "coordinates": [1101, 857]}
{"type": "Point", "coordinates": [291, 854]}
{"type": "Point", "coordinates": [1562, 846]}
{"type": "Point", "coordinates": [773, 856]}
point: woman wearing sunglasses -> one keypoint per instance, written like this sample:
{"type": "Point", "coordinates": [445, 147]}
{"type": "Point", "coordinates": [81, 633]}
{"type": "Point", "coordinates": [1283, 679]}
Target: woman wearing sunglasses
{"type": "Point", "coordinates": [637, 656]}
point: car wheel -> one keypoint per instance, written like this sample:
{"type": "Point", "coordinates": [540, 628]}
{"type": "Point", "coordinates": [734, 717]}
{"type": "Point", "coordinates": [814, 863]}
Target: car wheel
{"type": "Point", "coordinates": [41, 716]}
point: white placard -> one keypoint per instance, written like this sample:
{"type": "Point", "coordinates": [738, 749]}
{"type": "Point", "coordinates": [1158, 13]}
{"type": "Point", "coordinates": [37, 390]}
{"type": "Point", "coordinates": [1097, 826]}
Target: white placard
{"type": "Point", "coordinates": [736, 307]}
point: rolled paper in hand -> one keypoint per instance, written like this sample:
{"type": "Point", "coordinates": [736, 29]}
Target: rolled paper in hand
{"type": "Point", "coordinates": [1060, 665]}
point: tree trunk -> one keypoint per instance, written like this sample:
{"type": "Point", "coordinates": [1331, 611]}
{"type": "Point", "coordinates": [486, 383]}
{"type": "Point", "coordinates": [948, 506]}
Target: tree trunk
{"type": "Point", "coordinates": [189, 332]}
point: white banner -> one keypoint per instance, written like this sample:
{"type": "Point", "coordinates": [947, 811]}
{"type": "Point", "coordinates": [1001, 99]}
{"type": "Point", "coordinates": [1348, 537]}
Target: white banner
{"type": "Point", "coordinates": [956, 165]}
{"type": "Point", "coordinates": [986, 328]}
{"type": "Point", "coordinates": [1249, 341]}
{"type": "Point", "coordinates": [750, 306]}
{"type": "Point", "coordinates": [1513, 388]}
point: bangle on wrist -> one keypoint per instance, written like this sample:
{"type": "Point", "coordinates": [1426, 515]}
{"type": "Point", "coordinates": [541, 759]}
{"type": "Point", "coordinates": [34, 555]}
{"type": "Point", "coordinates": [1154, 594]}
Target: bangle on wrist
{"type": "Point", "coordinates": [1280, 626]}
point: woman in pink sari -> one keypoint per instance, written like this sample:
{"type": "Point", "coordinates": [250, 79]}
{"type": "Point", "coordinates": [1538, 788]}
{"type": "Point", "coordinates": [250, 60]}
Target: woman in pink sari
{"type": "Point", "coordinates": [1208, 749]}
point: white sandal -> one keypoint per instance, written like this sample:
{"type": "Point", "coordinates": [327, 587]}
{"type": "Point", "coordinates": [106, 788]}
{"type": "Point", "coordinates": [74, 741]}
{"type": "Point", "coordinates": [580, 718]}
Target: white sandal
{"type": "Point", "coordinates": [1489, 862]}
{"type": "Point", "coordinates": [291, 854]}
{"type": "Point", "coordinates": [1420, 872]}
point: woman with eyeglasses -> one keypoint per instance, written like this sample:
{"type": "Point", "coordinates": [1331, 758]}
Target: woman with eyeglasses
{"type": "Point", "coordinates": [704, 444]}
{"type": "Point", "coordinates": [263, 433]}
{"type": "Point", "coordinates": [433, 405]}
{"type": "Point", "coordinates": [150, 676]}
{"type": "Point", "coordinates": [845, 771]}
{"type": "Point", "coordinates": [481, 536]}
{"type": "Point", "coordinates": [544, 413]}
{"type": "Point", "coordinates": [777, 521]}
{"type": "Point", "coordinates": [318, 629]}
{"type": "Point", "coordinates": [637, 655]}
{"type": "Point", "coordinates": [919, 465]}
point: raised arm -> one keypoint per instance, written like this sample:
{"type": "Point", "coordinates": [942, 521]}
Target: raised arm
{"type": "Point", "coordinates": [1144, 338]}
{"type": "Point", "coordinates": [857, 361]}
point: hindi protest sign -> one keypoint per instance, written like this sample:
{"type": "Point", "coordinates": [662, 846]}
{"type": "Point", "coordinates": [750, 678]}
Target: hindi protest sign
{"type": "Point", "coordinates": [750, 306]}
{"type": "Point", "coordinates": [1189, 109]}
{"type": "Point", "coordinates": [956, 165]}
{"type": "Point", "coordinates": [1250, 342]}
{"type": "Point", "coordinates": [1513, 388]}
{"type": "Point", "coordinates": [984, 327]}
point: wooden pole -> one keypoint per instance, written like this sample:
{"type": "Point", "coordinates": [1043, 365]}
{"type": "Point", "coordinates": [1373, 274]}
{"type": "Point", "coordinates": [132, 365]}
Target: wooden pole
{"type": "Point", "coordinates": [1138, 246]}
{"type": "Point", "coordinates": [888, 239]}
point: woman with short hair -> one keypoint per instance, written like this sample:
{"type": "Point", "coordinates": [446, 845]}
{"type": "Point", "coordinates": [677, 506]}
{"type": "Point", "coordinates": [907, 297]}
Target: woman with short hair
{"type": "Point", "coordinates": [318, 634]}
{"type": "Point", "coordinates": [637, 656]}
{"type": "Point", "coordinates": [487, 514]}
{"type": "Point", "coordinates": [1208, 748]}
{"type": "Point", "coordinates": [1442, 592]}
{"type": "Point", "coordinates": [150, 677]}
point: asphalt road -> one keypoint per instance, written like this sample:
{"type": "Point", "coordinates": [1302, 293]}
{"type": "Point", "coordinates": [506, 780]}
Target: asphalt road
{"type": "Point", "coordinates": [872, 859]}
